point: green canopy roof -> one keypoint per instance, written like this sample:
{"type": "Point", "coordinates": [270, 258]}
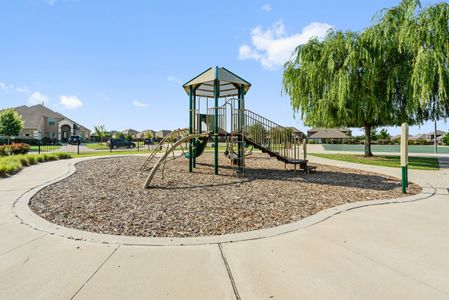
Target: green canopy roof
{"type": "Point", "coordinates": [228, 83]}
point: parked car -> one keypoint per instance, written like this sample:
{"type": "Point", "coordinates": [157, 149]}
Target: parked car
{"type": "Point", "coordinates": [74, 140]}
{"type": "Point", "coordinates": [148, 141]}
{"type": "Point", "coordinates": [117, 143]}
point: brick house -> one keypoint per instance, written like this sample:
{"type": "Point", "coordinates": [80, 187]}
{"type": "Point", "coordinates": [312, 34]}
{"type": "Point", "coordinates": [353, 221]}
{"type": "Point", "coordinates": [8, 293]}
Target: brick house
{"type": "Point", "coordinates": [42, 122]}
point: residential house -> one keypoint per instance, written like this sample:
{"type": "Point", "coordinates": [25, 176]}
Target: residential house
{"type": "Point", "coordinates": [144, 133]}
{"type": "Point", "coordinates": [329, 135]}
{"type": "Point", "coordinates": [439, 135]}
{"type": "Point", "coordinates": [130, 132]}
{"type": "Point", "coordinates": [428, 137]}
{"type": "Point", "coordinates": [44, 123]}
{"type": "Point", "coordinates": [296, 132]}
{"type": "Point", "coordinates": [162, 133]}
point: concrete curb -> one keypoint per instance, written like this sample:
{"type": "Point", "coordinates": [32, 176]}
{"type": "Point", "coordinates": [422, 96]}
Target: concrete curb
{"type": "Point", "coordinates": [23, 212]}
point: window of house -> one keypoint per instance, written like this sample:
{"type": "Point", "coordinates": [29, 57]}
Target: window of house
{"type": "Point", "coordinates": [27, 134]}
{"type": "Point", "coordinates": [51, 121]}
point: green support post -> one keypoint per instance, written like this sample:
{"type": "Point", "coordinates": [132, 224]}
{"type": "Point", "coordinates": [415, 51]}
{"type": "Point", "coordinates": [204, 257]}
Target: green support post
{"type": "Point", "coordinates": [194, 127]}
{"type": "Point", "coordinates": [404, 156]}
{"type": "Point", "coordinates": [404, 180]}
{"type": "Point", "coordinates": [241, 106]}
{"type": "Point", "coordinates": [216, 94]}
{"type": "Point", "coordinates": [406, 176]}
{"type": "Point", "coordinates": [190, 129]}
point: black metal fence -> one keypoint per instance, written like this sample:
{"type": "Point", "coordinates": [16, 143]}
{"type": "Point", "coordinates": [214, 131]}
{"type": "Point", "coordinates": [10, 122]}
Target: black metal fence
{"type": "Point", "coordinates": [84, 147]}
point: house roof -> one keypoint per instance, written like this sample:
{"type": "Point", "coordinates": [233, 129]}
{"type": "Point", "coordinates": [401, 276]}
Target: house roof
{"type": "Point", "coordinates": [439, 132]}
{"type": "Point", "coordinates": [342, 129]}
{"type": "Point", "coordinates": [228, 83]}
{"type": "Point", "coordinates": [420, 136]}
{"type": "Point", "coordinates": [294, 129]}
{"type": "Point", "coordinates": [328, 133]}
{"type": "Point", "coordinates": [129, 131]}
{"type": "Point", "coordinates": [32, 115]}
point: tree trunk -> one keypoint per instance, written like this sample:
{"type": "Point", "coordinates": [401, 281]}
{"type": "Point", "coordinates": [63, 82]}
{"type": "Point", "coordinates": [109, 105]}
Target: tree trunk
{"type": "Point", "coordinates": [368, 141]}
{"type": "Point", "coordinates": [435, 142]}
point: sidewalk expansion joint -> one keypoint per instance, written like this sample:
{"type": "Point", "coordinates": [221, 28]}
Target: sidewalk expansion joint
{"type": "Point", "coordinates": [228, 269]}
{"type": "Point", "coordinates": [96, 271]}
{"type": "Point", "coordinates": [23, 244]}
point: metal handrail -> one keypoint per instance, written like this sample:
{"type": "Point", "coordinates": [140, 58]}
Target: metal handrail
{"type": "Point", "coordinates": [270, 135]}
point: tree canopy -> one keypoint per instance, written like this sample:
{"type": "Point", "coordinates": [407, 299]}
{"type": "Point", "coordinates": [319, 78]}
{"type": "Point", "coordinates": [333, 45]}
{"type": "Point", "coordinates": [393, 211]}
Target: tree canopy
{"type": "Point", "coordinates": [392, 72]}
{"type": "Point", "coordinates": [11, 123]}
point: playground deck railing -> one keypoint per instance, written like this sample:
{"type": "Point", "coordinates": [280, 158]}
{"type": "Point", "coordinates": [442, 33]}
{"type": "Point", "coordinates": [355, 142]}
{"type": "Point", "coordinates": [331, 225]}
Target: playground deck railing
{"type": "Point", "coordinates": [270, 135]}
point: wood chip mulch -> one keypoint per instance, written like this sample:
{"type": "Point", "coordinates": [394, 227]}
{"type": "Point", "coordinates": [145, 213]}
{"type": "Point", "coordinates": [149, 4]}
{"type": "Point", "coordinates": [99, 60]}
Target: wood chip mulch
{"type": "Point", "coordinates": [106, 196]}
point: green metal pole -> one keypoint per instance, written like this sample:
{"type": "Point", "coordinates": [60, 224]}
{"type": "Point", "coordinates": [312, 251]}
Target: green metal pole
{"type": "Point", "coordinates": [406, 176]}
{"type": "Point", "coordinates": [190, 129]}
{"type": "Point", "coordinates": [216, 93]}
{"type": "Point", "coordinates": [404, 180]}
{"type": "Point", "coordinates": [240, 130]}
{"type": "Point", "coordinates": [241, 113]}
{"type": "Point", "coordinates": [404, 156]}
{"type": "Point", "coordinates": [194, 127]}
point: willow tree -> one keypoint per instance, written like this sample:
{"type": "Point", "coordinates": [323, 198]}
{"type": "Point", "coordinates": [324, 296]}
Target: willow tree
{"type": "Point", "coordinates": [420, 38]}
{"type": "Point", "coordinates": [337, 82]}
{"type": "Point", "coordinates": [394, 71]}
{"type": "Point", "coordinates": [428, 43]}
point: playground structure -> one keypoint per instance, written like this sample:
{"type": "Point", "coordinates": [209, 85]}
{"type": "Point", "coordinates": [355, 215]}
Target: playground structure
{"type": "Point", "coordinates": [228, 120]}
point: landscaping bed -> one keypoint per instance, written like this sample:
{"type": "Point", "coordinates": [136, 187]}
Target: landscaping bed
{"type": "Point", "coordinates": [106, 196]}
{"type": "Point", "coordinates": [12, 164]}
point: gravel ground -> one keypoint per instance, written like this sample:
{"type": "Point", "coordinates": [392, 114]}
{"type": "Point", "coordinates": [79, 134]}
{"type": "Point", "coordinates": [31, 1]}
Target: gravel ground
{"type": "Point", "coordinates": [106, 196]}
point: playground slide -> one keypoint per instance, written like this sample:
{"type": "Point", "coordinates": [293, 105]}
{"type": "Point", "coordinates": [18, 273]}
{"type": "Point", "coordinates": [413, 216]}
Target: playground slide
{"type": "Point", "coordinates": [201, 136]}
{"type": "Point", "coordinates": [199, 148]}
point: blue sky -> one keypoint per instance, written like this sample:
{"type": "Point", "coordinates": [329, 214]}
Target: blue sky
{"type": "Point", "coordinates": [122, 63]}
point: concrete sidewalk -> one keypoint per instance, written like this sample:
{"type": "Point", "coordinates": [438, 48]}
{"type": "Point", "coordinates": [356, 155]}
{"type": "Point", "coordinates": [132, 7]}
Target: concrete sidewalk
{"type": "Point", "coordinates": [394, 251]}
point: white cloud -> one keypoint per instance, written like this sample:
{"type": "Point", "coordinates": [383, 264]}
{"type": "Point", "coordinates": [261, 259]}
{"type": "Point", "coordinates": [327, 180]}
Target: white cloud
{"type": "Point", "coordinates": [37, 98]}
{"type": "Point", "coordinates": [173, 78]}
{"type": "Point", "coordinates": [50, 2]}
{"type": "Point", "coordinates": [266, 7]}
{"type": "Point", "coordinates": [6, 87]}
{"type": "Point", "coordinates": [70, 102]}
{"type": "Point", "coordinates": [273, 47]}
{"type": "Point", "coordinates": [23, 90]}
{"type": "Point", "coordinates": [138, 103]}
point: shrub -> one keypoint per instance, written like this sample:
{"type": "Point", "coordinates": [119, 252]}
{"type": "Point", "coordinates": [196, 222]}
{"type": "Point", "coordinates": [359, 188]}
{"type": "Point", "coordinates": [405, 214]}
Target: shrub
{"type": "Point", "coordinates": [51, 157]}
{"type": "Point", "coordinates": [9, 165]}
{"type": "Point", "coordinates": [62, 155]}
{"type": "Point", "coordinates": [31, 159]}
{"type": "Point", "coordinates": [446, 139]}
{"type": "Point", "coordinates": [23, 160]}
{"type": "Point", "coordinates": [19, 148]}
{"type": "Point", "coordinates": [13, 163]}
{"type": "Point", "coordinates": [4, 150]}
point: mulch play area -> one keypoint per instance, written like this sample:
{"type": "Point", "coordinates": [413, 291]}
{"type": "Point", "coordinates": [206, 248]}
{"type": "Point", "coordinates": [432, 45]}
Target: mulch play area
{"type": "Point", "coordinates": [106, 196]}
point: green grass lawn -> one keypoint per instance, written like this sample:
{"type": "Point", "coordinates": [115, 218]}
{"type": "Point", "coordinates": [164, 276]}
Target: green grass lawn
{"type": "Point", "coordinates": [46, 147]}
{"type": "Point", "coordinates": [419, 163]}
{"type": "Point", "coordinates": [385, 148]}
{"type": "Point", "coordinates": [114, 152]}
{"type": "Point", "coordinates": [97, 146]}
